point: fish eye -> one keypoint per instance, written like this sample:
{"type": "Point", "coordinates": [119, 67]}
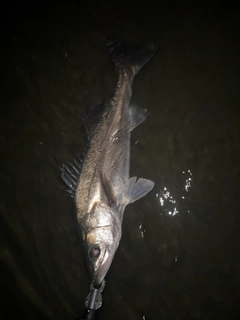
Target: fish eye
{"type": "Point", "coordinates": [94, 252]}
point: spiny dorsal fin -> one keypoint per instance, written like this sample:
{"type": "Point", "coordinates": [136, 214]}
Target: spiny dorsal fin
{"type": "Point", "coordinates": [70, 175]}
{"type": "Point", "coordinates": [138, 188]}
{"type": "Point", "coordinates": [137, 115]}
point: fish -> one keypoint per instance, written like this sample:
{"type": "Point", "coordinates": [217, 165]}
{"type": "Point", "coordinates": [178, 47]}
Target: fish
{"type": "Point", "coordinates": [100, 183]}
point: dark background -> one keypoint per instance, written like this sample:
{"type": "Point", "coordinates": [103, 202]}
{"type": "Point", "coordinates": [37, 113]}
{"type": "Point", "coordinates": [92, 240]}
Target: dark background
{"type": "Point", "coordinates": [179, 260]}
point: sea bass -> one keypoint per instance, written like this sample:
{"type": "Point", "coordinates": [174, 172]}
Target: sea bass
{"type": "Point", "coordinates": [101, 186]}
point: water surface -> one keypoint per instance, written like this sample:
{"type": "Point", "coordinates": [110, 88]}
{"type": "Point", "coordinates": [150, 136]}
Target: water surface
{"type": "Point", "coordinates": [179, 253]}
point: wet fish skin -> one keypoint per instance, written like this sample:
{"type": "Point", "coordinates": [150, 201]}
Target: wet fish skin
{"type": "Point", "coordinates": [104, 189]}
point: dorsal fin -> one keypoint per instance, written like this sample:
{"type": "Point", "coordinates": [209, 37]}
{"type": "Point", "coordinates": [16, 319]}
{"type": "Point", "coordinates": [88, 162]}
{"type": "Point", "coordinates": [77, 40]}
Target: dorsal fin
{"type": "Point", "coordinates": [70, 175]}
{"type": "Point", "coordinates": [92, 118]}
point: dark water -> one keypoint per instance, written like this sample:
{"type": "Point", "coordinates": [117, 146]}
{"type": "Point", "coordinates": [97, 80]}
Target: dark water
{"type": "Point", "coordinates": [179, 253]}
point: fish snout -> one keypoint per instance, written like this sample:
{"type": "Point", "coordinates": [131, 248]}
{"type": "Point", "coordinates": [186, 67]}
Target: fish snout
{"type": "Point", "coordinates": [100, 273]}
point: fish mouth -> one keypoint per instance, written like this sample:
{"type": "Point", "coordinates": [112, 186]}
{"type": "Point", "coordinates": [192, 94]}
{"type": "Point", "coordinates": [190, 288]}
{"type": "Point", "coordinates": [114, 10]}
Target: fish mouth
{"type": "Point", "coordinates": [100, 273]}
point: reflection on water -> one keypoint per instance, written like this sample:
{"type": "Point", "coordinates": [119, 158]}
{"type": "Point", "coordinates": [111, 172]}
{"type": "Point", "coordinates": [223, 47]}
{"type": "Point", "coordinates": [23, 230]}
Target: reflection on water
{"type": "Point", "coordinates": [188, 181]}
{"type": "Point", "coordinates": [179, 253]}
{"type": "Point", "coordinates": [142, 230]}
{"type": "Point", "coordinates": [167, 201]}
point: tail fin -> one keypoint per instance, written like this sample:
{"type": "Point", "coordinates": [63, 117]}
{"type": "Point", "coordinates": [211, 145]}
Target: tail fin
{"type": "Point", "coordinates": [129, 58]}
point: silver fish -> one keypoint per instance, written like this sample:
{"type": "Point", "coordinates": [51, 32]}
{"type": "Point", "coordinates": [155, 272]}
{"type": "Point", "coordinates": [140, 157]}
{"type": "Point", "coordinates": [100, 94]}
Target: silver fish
{"type": "Point", "coordinates": [101, 186]}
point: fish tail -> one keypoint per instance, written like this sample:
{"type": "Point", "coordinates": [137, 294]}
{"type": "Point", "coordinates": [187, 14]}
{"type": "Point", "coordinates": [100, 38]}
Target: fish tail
{"type": "Point", "coordinates": [129, 58]}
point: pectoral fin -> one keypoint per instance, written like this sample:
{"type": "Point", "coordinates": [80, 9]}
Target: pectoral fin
{"type": "Point", "coordinates": [108, 189]}
{"type": "Point", "coordinates": [138, 188]}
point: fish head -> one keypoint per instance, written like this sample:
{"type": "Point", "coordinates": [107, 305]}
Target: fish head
{"type": "Point", "coordinates": [101, 232]}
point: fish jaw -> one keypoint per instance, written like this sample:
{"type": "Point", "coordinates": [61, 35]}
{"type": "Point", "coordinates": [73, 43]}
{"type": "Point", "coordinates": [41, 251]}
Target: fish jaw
{"type": "Point", "coordinates": [101, 232]}
{"type": "Point", "coordinates": [99, 274]}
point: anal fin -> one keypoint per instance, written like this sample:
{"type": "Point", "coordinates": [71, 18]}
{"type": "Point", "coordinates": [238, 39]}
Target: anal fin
{"type": "Point", "coordinates": [137, 115]}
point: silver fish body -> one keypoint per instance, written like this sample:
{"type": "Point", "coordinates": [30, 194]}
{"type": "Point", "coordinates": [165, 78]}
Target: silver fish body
{"type": "Point", "coordinates": [104, 188]}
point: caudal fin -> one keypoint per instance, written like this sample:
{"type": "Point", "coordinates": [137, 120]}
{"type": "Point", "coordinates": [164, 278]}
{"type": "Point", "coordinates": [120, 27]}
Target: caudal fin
{"type": "Point", "coordinates": [130, 58]}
